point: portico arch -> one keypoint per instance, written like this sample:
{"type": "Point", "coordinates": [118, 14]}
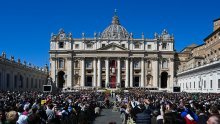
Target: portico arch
{"type": "Point", "coordinates": [60, 79]}
{"type": "Point", "coordinates": [163, 82]}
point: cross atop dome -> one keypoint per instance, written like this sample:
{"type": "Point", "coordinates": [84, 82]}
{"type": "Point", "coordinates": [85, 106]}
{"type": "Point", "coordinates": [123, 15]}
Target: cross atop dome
{"type": "Point", "coordinates": [115, 13]}
{"type": "Point", "coordinates": [115, 19]}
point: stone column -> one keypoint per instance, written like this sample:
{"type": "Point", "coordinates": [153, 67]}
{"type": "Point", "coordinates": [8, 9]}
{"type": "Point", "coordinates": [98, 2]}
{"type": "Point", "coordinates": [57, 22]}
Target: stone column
{"type": "Point", "coordinates": [69, 72]}
{"type": "Point", "coordinates": [119, 71]}
{"type": "Point", "coordinates": [127, 73]}
{"type": "Point", "coordinates": [53, 71]}
{"type": "Point", "coordinates": [131, 73]}
{"type": "Point", "coordinates": [171, 73]}
{"type": "Point", "coordinates": [82, 84]}
{"type": "Point", "coordinates": [107, 72]}
{"type": "Point", "coordinates": [155, 68]}
{"type": "Point", "coordinates": [99, 73]}
{"type": "Point", "coordinates": [94, 73]}
{"type": "Point", "coordinates": [142, 73]}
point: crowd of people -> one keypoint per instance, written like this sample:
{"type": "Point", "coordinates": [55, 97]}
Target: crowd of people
{"type": "Point", "coordinates": [82, 107]}
{"type": "Point", "coordinates": [145, 107]}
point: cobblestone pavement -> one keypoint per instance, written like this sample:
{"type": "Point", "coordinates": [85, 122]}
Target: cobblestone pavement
{"type": "Point", "coordinates": [107, 115]}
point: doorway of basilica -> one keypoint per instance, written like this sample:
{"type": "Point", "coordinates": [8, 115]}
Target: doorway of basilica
{"type": "Point", "coordinates": [113, 73]}
{"type": "Point", "coordinates": [60, 79]}
{"type": "Point", "coordinates": [164, 76]}
{"type": "Point", "coordinates": [136, 81]}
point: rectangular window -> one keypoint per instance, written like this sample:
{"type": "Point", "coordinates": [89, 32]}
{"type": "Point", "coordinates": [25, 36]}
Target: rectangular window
{"type": "Point", "coordinates": [165, 63]}
{"type": "Point", "coordinates": [122, 64]}
{"type": "Point", "coordinates": [123, 45]}
{"type": "Point", "coordinates": [76, 46]}
{"type": "Point", "coordinates": [199, 85]}
{"type": "Point", "coordinates": [88, 63]}
{"type": "Point", "coordinates": [103, 64]}
{"type": "Point", "coordinates": [76, 64]}
{"type": "Point", "coordinates": [148, 64]}
{"type": "Point", "coordinates": [190, 85]}
{"type": "Point", "coordinates": [218, 83]}
{"type": "Point", "coordinates": [149, 47]}
{"type": "Point", "coordinates": [136, 64]}
{"type": "Point", "coordinates": [194, 84]}
{"type": "Point", "coordinates": [164, 46]}
{"type": "Point", "coordinates": [61, 63]}
{"type": "Point", "coordinates": [61, 44]}
{"type": "Point", "coordinates": [103, 45]}
{"type": "Point", "coordinates": [211, 84]}
{"type": "Point", "coordinates": [89, 46]}
{"type": "Point", "coordinates": [136, 46]}
{"type": "Point", "coordinates": [204, 84]}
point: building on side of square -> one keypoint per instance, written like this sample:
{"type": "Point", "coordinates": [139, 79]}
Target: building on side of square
{"type": "Point", "coordinates": [199, 65]}
{"type": "Point", "coordinates": [111, 59]}
{"type": "Point", "coordinates": [21, 76]}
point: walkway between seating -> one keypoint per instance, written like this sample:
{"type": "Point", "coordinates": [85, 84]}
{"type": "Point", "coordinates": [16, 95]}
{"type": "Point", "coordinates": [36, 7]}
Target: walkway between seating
{"type": "Point", "coordinates": [107, 115]}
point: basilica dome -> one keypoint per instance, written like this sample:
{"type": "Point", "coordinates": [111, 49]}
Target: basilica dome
{"type": "Point", "coordinates": [115, 30]}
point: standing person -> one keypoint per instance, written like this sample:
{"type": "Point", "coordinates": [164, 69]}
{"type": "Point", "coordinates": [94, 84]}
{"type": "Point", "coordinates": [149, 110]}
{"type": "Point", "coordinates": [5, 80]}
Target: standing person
{"type": "Point", "coordinates": [189, 116]}
{"type": "Point", "coordinates": [2, 117]}
{"type": "Point", "coordinates": [214, 119]}
{"type": "Point", "coordinates": [11, 117]}
{"type": "Point", "coordinates": [34, 118]}
{"type": "Point", "coordinates": [202, 116]}
{"type": "Point", "coordinates": [50, 113]}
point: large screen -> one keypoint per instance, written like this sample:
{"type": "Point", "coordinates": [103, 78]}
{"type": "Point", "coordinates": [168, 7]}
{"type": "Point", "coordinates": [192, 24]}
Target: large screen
{"type": "Point", "coordinates": [47, 88]}
{"type": "Point", "coordinates": [176, 89]}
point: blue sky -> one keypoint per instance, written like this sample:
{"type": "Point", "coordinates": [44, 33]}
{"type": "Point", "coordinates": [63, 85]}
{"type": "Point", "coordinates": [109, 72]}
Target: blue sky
{"type": "Point", "coordinates": [26, 25]}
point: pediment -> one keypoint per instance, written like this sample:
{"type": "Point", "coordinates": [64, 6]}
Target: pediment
{"type": "Point", "coordinates": [113, 47]}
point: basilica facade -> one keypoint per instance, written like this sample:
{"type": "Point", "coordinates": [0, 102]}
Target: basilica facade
{"type": "Point", "coordinates": [112, 59]}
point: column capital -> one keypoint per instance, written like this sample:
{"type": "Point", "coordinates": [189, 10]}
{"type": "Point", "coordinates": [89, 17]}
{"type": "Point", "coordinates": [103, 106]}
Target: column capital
{"type": "Point", "coordinates": [53, 58]}
{"type": "Point", "coordinates": [69, 58]}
